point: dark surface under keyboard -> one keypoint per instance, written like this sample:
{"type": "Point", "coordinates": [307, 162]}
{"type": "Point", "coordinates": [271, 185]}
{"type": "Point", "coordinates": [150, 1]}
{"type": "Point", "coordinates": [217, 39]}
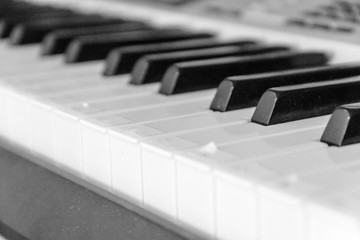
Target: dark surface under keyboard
{"type": "Point", "coordinates": [36, 203]}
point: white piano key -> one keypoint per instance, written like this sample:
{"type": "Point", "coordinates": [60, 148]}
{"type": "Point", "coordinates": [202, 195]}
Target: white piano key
{"type": "Point", "coordinates": [319, 176]}
{"type": "Point", "coordinates": [44, 84]}
{"type": "Point", "coordinates": [287, 170]}
{"type": "Point", "coordinates": [346, 200]}
{"type": "Point", "coordinates": [324, 182]}
{"type": "Point", "coordinates": [99, 170]}
{"type": "Point", "coordinates": [3, 121]}
{"type": "Point", "coordinates": [12, 95]}
{"type": "Point", "coordinates": [41, 131]}
{"type": "Point", "coordinates": [308, 171]}
{"type": "Point", "coordinates": [235, 132]}
{"type": "Point", "coordinates": [19, 106]}
{"type": "Point", "coordinates": [311, 161]}
{"type": "Point", "coordinates": [236, 211]}
{"type": "Point", "coordinates": [41, 123]}
{"type": "Point", "coordinates": [324, 220]}
{"type": "Point", "coordinates": [22, 54]}
{"type": "Point", "coordinates": [68, 128]}
{"type": "Point", "coordinates": [99, 123]}
{"type": "Point", "coordinates": [194, 170]}
{"type": "Point", "coordinates": [194, 176]}
{"type": "Point", "coordinates": [336, 212]}
{"type": "Point", "coordinates": [125, 148]}
{"type": "Point", "coordinates": [44, 113]}
{"type": "Point", "coordinates": [281, 216]}
{"type": "Point", "coordinates": [117, 118]}
{"type": "Point", "coordinates": [126, 170]}
{"type": "Point", "coordinates": [35, 66]}
{"type": "Point", "coordinates": [327, 223]}
{"type": "Point", "coordinates": [275, 144]}
{"type": "Point", "coordinates": [242, 201]}
{"type": "Point", "coordinates": [94, 128]}
{"type": "Point", "coordinates": [41, 114]}
{"type": "Point", "coordinates": [39, 101]}
{"type": "Point", "coordinates": [96, 141]}
{"type": "Point", "coordinates": [41, 109]}
{"type": "Point", "coordinates": [16, 119]}
{"type": "Point", "coordinates": [111, 89]}
{"type": "Point", "coordinates": [157, 153]}
{"type": "Point", "coordinates": [63, 73]}
{"type": "Point", "coordinates": [59, 87]}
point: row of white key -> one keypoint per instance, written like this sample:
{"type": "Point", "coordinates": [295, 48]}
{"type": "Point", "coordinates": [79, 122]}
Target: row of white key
{"type": "Point", "coordinates": [151, 177]}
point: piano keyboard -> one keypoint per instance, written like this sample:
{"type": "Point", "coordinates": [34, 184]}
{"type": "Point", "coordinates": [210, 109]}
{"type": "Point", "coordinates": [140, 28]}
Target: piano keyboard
{"type": "Point", "coordinates": [219, 125]}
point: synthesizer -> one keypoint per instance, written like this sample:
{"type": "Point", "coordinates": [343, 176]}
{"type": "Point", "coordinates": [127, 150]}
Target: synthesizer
{"type": "Point", "coordinates": [230, 119]}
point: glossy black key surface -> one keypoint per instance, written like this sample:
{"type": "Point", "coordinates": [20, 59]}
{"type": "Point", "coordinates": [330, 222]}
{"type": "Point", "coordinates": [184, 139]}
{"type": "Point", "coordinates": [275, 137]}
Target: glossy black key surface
{"type": "Point", "coordinates": [22, 8]}
{"type": "Point", "coordinates": [7, 24]}
{"type": "Point", "coordinates": [343, 127]}
{"type": "Point", "coordinates": [205, 74]}
{"type": "Point", "coordinates": [122, 60]}
{"type": "Point", "coordinates": [245, 91]}
{"type": "Point", "coordinates": [290, 103]}
{"type": "Point", "coordinates": [35, 31]}
{"type": "Point", "coordinates": [97, 47]}
{"type": "Point", "coordinates": [57, 41]}
{"type": "Point", "coordinates": [152, 68]}
{"type": "Point", "coordinates": [6, 4]}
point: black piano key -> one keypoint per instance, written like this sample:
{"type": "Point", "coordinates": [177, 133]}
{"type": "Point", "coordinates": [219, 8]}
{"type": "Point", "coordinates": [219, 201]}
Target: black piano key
{"type": "Point", "coordinates": [152, 68]}
{"type": "Point", "coordinates": [8, 24]}
{"type": "Point", "coordinates": [343, 127]}
{"type": "Point", "coordinates": [290, 103]}
{"type": "Point", "coordinates": [97, 47]}
{"type": "Point", "coordinates": [205, 74]}
{"type": "Point", "coordinates": [245, 91]}
{"type": "Point", "coordinates": [34, 32]}
{"type": "Point", "coordinates": [122, 60]}
{"type": "Point", "coordinates": [5, 5]}
{"type": "Point", "coordinates": [57, 41]}
{"type": "Point", "coordinates": [22, 8]}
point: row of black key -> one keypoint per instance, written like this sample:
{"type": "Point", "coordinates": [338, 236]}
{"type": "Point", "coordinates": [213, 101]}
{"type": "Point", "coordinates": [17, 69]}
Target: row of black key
{"type": "Point", "coordinates": [185, 61]}
{"type": "Point", "coordinates": [122, 60]}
